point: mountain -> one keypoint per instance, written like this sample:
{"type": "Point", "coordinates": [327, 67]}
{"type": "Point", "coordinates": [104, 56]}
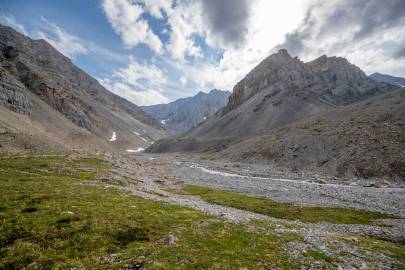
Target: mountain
{"type": "Point", "coordinates": [280, 90]}
{"type": "Point", "coordinates": [388, 79]}
{"type": "Point", "coordinates": [185, 113]}
{"type": "Point", "coordinates": [54, 104]}
{"type": "Point", "coordinates": [365, 139]}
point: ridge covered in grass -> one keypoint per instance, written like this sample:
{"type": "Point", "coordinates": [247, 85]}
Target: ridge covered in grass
{"type": "Point", "coordinates": [269, 207]}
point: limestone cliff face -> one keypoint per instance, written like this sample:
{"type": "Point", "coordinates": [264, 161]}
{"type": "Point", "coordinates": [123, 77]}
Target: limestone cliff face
{"type": "Point", "coordinates": [13, 95]}
{"type": "Point", "coordinates": [279, 70]}
{"type": "Point", "coordinates": [332, 78]}
{"type": "Point", "coordinates": [339, 82]}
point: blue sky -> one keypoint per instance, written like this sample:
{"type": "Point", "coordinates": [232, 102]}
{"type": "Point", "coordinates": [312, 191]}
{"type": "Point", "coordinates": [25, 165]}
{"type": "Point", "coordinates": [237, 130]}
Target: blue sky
{"type": "Point", "coordinates": [155, 51]}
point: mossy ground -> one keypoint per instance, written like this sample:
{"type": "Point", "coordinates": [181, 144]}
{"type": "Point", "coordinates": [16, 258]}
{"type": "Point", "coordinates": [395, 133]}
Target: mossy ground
{"type": "Point", "coordinates": [50, 220]}
{"type": "Point", "coordinates": [364, 246]}
{"type": "Point", "coordinates": [395, 249]}
{"type": "Point", "coordinates": [289, 211]}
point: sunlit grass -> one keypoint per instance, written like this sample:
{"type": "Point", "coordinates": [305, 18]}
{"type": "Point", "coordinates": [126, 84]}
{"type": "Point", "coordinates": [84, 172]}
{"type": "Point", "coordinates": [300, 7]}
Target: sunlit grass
{"type": "Point", "coordinates": [51, 220]}
{"type": "Point", "coordinates": [288, 211]}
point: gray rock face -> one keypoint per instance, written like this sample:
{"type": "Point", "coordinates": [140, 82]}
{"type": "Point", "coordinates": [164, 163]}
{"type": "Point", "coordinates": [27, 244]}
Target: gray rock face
{"type": "Point", "coordinates": [279, 91]}
{"type": "Point", "coordinates": [53, 77]}
{"type": "Point", "coordinates": [331, 78]}
{"type": "Point", "coordinates": [13, 95]}
{"type": "Point", "coordinates": [339, 82]}
{"type": "Point", "coordinates": [364, 139]}
{"type": "Point", "coordinates": [186, 113]}
{"type": "Point", "coordinates": [65, 104]}
{"type": "Point", "coordinates": [388, 79]}
{"type": "Point", "coordinates": [278, 70]}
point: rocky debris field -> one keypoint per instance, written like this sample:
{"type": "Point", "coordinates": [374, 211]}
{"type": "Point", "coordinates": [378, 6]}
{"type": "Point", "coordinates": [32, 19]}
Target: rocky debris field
{"type": "Point", "coordinates": [163, 178]}
{"type": "Point", "coordinates": [172, 211]}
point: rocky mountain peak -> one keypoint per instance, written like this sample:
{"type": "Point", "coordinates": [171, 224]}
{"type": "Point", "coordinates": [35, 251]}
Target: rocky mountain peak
{"type": "Point", "coordinates": [337, 67]}
{"type": "Point", "coordinates": [185, 113]}
{"type": "Point", "coordinates": [278, 68]}
{"type": "Point", "coordinates": [333, 79]}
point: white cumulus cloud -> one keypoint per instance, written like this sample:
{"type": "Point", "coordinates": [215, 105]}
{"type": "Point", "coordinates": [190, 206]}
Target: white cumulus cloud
{"type": "Point", "coordinates": [140, 83]}
{"type": "Point", "coordinates": [125, 18]}
{"type": "Point", "coordinates": [66, 43]}
{"type": "Point", "coordinates": [12, 22]}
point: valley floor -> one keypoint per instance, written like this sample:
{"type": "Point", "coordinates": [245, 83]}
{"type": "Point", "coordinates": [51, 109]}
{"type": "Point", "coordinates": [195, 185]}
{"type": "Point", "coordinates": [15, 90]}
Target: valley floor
{"type": "Point", "coordinates": [177, 212]}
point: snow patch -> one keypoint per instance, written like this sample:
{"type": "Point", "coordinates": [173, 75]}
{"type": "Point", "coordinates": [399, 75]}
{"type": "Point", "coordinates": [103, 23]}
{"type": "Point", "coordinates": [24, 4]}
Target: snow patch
{"type": "Point", "coordinates": [140, 149]}
{"type": "Point", "coordinates": [204, 118]}
{"type": "Point", "coordinates": [113, 137]}
{"type": "Point", "coordinates": [163, 122]}
{"type": "Point", "coordinates": [139, 135]}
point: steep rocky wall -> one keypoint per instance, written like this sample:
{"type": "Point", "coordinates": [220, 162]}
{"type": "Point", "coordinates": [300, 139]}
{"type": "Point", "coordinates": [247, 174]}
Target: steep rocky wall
{"type": "Point", "coordinates": [333, 79]}
{"type": "Point", "coordinates": [13, 96]}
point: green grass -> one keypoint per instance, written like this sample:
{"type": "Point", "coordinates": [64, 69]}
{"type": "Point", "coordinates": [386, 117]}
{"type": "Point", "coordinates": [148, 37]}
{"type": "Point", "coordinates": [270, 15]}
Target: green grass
{"type": "Point", "coordinates": [320, 256]}
{"type": "Point", "coordinates": [397, 250]}
{"type": "Point", "coordinates": [50, 220]}
{"type": "Point", "coordinates": [289, 211]}
{"type": "Point", "coordinates": [394, 249]}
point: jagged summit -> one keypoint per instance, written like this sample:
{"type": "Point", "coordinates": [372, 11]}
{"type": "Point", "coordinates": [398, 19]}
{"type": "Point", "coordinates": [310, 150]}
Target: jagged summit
{"type": "Point", "coordinates": [333, 79]}
{"type": "Point", "coordinates": [340, 67]}
{"type": "Point", "coordinates": [281, 90]}
{"type": "Point", "coordinates": [186, 113]}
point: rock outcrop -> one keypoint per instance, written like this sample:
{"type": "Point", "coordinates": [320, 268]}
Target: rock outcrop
{"type": "Point", "coordinates": [13, 95]}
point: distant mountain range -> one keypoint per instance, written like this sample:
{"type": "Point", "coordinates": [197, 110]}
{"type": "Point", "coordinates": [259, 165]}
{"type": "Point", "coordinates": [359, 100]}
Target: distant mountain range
{"type": "Point", "coordinates": [388, 79]}
{"type": "Point", "coordinates": [282, 91]}
{"type": "Point", "coordinates": [185, 113]}
{"type": "Point", "coordinates": [324, 116]}
{"type": "Point", "coordinates": [48, 103]}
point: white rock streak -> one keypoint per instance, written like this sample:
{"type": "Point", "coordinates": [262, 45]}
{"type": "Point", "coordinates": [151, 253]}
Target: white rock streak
{"type": "Point", "coordinates": [139, 135]}
{"type": "Point", "coordinates": [113, 137]}
{"type": "Point", "coordinates": [140, 149]}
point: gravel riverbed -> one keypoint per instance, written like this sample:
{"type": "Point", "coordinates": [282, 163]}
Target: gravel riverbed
{"type": "Point", "coordinates": [151, 176]}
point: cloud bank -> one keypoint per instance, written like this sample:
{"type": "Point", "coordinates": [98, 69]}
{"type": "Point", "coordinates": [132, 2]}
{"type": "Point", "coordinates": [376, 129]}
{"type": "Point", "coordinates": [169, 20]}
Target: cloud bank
{"type": "Point", "coordinates": [370, 33]}
{"type": "Point", "coordinates": [194, 45]}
